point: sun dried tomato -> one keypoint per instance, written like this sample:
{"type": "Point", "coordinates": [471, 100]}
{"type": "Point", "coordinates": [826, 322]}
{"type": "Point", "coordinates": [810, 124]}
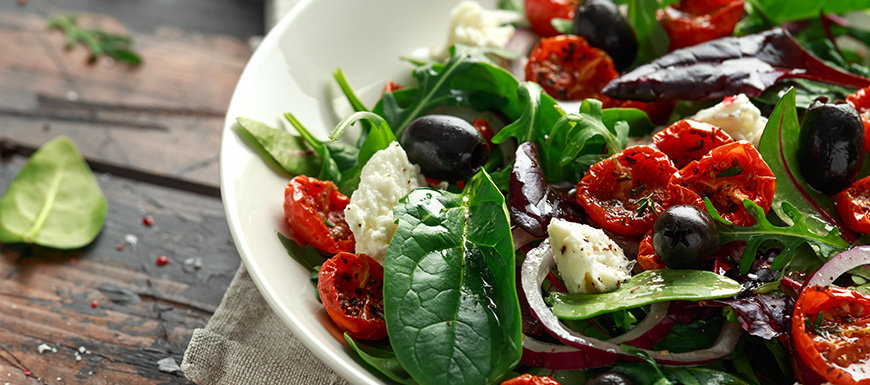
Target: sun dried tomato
{"type": "Point", "coordinates": [861, 101]}
{"type": "Point", "coordinates": [688, 140]}
{"type": "Point", "coordinates": [541, 13]}
{"type": "Point", "coordinates": [528, 379]}
{"type": "Point", "coordinates": [314, 209]}
{"type": "Point", "coordinates": [691, 22]}
{"type": "Point", "coordinates": [351, 289]}
{"type": "Point", "coordinates": [853, 205]}
{"type": "Point", "coordinates": [568, 68]}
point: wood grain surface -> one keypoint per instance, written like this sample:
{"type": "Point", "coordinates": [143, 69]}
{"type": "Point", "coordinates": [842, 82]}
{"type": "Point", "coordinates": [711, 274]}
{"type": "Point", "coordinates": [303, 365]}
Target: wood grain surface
{"type": "Point", "coordinates": [152, 135]}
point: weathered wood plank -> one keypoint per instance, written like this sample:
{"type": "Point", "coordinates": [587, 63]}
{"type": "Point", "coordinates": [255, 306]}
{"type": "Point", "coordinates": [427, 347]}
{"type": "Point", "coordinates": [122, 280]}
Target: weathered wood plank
{"type": "Point", "coordinates": [144, 312]}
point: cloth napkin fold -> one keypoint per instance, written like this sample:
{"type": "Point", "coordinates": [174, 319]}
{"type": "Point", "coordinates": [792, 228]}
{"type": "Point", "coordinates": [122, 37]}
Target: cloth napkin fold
{"type": "Point", "coordinates": [246, 343]}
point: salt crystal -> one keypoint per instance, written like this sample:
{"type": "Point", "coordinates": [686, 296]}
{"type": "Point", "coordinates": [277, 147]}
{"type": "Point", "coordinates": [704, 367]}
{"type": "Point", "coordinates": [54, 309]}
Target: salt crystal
{"type": "Point", "coordinates": [72, 96]}
{"type": "Point", "coordinates": [131, 239]}
{"type": "Point", "coordinates": [78, 356]}
{"type": "Point", "coordinates": [44, 348]}
{"type": "Point", "coordinates": [82, 349]}
{"type": "Point", "coordinates": [168, 365]}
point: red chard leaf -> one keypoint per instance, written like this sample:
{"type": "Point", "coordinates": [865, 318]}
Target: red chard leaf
{"type": "Point", "coordinates": [728, 66]}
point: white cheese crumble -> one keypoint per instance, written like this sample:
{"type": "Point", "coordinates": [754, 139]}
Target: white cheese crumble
{"type": "Point", "coordinates": [737, 117]}
{"type": "Point", "coordinates": [387, 177]}
{"type": "Point", "coordinates": [471, 24]}
{"type": "Point", "coordinates": [587, 259]}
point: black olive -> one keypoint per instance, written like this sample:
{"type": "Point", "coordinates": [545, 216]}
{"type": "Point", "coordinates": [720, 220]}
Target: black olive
{"type": "Point", "coordinates": [831, 146]}
{"type": "Point", "coordinates": [610, 378]}
{"type": "Point", "coordinates": [601, 24]}
{"type": "Point", "coordinates": [445, 147]}
{"type": "Point", "coordinates": [684, 237]}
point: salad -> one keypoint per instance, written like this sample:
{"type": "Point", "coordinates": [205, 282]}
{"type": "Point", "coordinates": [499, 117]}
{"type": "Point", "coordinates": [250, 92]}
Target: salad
{"type": "Point", "coordinates": [654, 192]}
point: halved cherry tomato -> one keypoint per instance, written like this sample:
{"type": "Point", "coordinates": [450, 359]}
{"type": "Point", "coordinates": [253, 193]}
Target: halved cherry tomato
{"type": "Point", "coordinates": [390, 86]}
{"type": "Point", "coordinates": [853, 205]}
{"type": "Point", "coordinates": [314, 209]}
{"type": "Point", "coordinates": [541, 12]}
{"type": "Point", "coordinates": [528, 379]}
{"type": "Point", "coordinates": [691, 22]}
{"type": "Point", "coordinates": [351, 289]}
{"type": "Point", "coordinates": [830, 330]}
{"type": "Point", "coordinates": [625, 192]}
{"type": "Point", "coordinates": [646, 254]}
{"type": "Point", "coordinates": [688, 140]}
{"type": "Point", "coordinates": [658, 112]}
{"type": "Point", "coordinates": [727, 175]}
{"type": "Point", "coordinates": [568, 68]}
{"type": "Point", "coordinates": [861, 101]}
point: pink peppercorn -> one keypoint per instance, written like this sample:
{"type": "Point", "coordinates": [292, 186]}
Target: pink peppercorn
{"type": "Point", "coordinates": [162, 260]}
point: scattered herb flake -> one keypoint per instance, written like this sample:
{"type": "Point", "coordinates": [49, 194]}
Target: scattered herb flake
{"type": "Point", "coordinates": [98, 42]}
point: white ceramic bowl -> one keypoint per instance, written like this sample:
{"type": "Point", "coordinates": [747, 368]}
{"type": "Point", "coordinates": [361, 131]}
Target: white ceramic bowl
{"type": "Point", "coordinates": [291, 71]}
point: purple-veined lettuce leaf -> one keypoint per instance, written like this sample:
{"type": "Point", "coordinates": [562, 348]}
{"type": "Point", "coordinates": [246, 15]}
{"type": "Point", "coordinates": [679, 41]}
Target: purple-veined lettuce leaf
{"type": "Point", "coordinates": [725, 67]}
{"type": "Point", "coordinates": [764, 316]}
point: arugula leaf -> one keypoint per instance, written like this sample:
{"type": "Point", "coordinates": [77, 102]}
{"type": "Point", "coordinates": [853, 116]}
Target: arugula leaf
{"type": "Point", "coordinates": [354, 101]}
{"type": "Point", "coordinates": [563, 26]}
{"type": "Point", "coordinates": [781, 11]}
{"type": "Point", "coordinates": [806, 91]}
{"type": "Point", "coordinates": [97, 42]}
{"type": "Point", "coordinates": [652, 40]}
{"type": "Point", "coordinates": [588, 124]}
{"type": "Point", "coordinates": [647, 374]}
{"type": "Point", "coordinates": [378, 138]}
{"type": "Point", "coordinates": [638, 121]}
{"type": "Point", "coordinates": [643, 289]}
{"type": "Point", "coordinates": [779, 148]}
{"type": "Point", "coordinates": [289, 151]}
{"type": "Point", "coordinates": [329, 169]}
{"type": "Point", "coordinates": [384, 361]}
{"type": "Point", "coordinates": [450, 297]}
{"type": "Point", "coordinates": [54, 200]}
{"type": "Point", "coordinates": [789, 237]}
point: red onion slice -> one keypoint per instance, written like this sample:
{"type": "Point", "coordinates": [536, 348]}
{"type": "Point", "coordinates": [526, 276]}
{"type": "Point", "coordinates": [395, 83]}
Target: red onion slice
{"type": "Point", "coordinates": [655, 326]}
{"type": "Point", "coordinates": [522, 42]}
{"type": "Point", "coordinates": [591, 352]}
{"type": "Point", "coordinates": [839, 265]}
{"type": "Point", "coordinates": [521, 237]}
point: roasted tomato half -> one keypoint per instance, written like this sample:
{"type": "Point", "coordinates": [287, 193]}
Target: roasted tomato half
{"type": "Point", "coordinates": [727, 175]}
{"type": "Point", "coordinates": [861, 101]}
{"type": "Point", "coordinates": [691, 22]}
{"type": "Point", "coordinates": [568, 68]}
{"type": "Point", "coordinates": [830, 330]}
{"type": "Point", "coordinates": [625, 192]}
{"type": "Point", "coordinates": [528, 379]}
{"type": "Point", "coordinates": [314, 209]}
{"type": "Point", "coordinates": [351, 288]}
{"type": "Point", "coordinates": [646, 254]}
{"type": "Point", "coordinates": [853, 205]}
{"type": "Point", "coordinates": [688, 140]}
{"type": "Point", "coordinates": [541, 12]}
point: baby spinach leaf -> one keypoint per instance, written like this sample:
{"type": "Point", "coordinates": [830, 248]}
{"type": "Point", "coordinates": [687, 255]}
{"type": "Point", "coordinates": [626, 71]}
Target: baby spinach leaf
{"type": "Point", "coordinates": [781, 11]}
{"type": "Point", "coordinates": [790, 237]}
{"type": "Point", "coordinates": [806, 91]}
{"type": "Point", "coordinates": [54, 200]}
{"type": "Point", "coordinates": [329, 169]}
{"type": "Point", "coordinates": [290, 151]}
{"type": "Point", "coordinates": [383, 360]}
{"type": "Point", "coordinates": [450, 299]}
{"type": "Point", "coordinates": [646, 374]}
{"type": "Point", "coordinates": [306, 256]}
{"type": "Point", "coordinates": [643, 289]}
{"type": "Point", "coordinates": [652, 39]}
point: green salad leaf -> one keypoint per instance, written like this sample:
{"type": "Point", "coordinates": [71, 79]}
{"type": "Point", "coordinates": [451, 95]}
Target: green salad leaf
{"type": "Point", "coordinates": [450, 299]}
{"type": "Point", "coordinates": [289, 151]}
{"type": "Point", "coordinates": [652, 40]}
{"type": "Point", "coordinates": [789, 237]}
{"type": "Point", "coordinates": [781, 11]}
{"type": "Point", "coordinates": [306, 256]}
{"type": "Point", "coordinates": [643, 289]}
{"type": "Point", "coordinates": [378, 138]}
{"type": "Point", "coordinates": [54, 200]}
{"type": "Point", "coordinates": [383, 360]}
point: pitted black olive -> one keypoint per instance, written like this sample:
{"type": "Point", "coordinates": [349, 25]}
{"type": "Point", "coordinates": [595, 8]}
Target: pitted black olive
{"type": "Point", "coordinates": [609, 378]}
{"type": "Point", "coordinates": [601, 24]}
{"type": "Point", "coordinates": [685, 237]}
{"type": "Point", "coordinates": [831, 146]}
{"type": "Point", "coordinates": [445, 147]}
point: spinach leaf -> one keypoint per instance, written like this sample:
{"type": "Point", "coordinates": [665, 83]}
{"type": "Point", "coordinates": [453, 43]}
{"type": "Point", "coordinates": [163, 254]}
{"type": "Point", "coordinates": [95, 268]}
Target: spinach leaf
{"type": "Point", "coordinates": [805, 92]}
{"type": "Point", "coordinates": [329, 169]}
{"type": "Point", "coordinates": [638, 121]}
{"type": "Point", "coordinates": [450, 299]}
{"type": "Point", "coordinates": [54, 200]}
{"type": "Point", "coordinates": [643, 289]}
{"type": "Point", "coordinates": [379, 137]}
{"type": "Point", "coordinates": [652, 40]}
{"type": "Point", "coordinates": [306, 256]}
{"type": "Point", "coordinates": [469, 78]}
{"type": "Point", "coordinates": [290, 151]}
{"type": "Point", "coordinates": [781, 11]}
{"type": "Point", "coordinates": [647, 374]}
{"type": "Point", "coordinates": [789, 237]}
{"type": "Point", "coordinates": [384, 361]}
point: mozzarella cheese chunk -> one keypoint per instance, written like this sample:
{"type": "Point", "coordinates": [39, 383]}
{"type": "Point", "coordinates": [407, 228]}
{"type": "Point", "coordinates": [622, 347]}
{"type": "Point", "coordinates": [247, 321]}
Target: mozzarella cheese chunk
{"type": "Point", "coordinates": [471, 24]}
{"type": "Point", "coordinates": [387, 177]}
{"type": "Point", "coordinates": [587, 259]}
{"type": "Point", "coordinates": [736, 116]}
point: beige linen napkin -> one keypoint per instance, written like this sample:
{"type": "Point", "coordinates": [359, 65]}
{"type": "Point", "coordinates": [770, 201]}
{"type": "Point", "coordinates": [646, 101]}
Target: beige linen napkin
{"type": "Point", "coordinates": [246, 343]}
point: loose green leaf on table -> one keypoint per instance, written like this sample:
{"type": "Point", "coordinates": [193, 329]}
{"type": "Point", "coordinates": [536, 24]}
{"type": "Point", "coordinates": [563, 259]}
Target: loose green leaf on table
{"type": "Point", "coordinates": [643, 289]}
{"type": "Point", "coordinates": [97, 42]}
{"type": "Point", "coordinates": [384, 361]}
{"type": "Point", "coordinates": [789, 237]}
{"type": "Point", "coordinates": [450, 299]}
{"type": "Point", "coordinates": [54, 200]}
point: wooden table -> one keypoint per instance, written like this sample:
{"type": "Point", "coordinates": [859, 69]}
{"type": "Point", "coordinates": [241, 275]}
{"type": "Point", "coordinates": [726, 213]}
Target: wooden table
{"type": "Point", "coordinates": [106, 314]}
